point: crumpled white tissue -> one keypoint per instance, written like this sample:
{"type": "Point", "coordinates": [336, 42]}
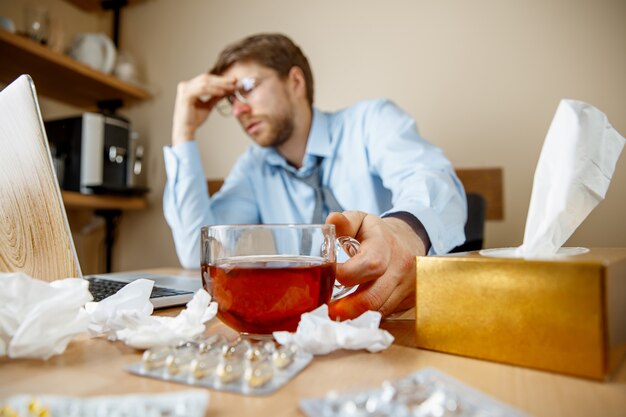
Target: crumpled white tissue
{"type": "Point", "coordinates": [319, 335]}
{"type": "Point", "coordinates": [126, 316]}
{"type": "Point", "coordinates": [38, 319]}
{"type": "Point", "coordinates": [126, 308]}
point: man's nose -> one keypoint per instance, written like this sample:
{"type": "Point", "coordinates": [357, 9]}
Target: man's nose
{"type": "Point", "coordinates": [240, 108]}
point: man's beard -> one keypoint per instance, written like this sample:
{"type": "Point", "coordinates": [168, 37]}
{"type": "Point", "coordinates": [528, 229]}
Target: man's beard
{"type": "Point", "coordinates": [282, 129]}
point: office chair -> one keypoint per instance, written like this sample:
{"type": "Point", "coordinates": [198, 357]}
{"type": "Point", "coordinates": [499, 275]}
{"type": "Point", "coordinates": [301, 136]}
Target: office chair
{"type": "Point", "coordinates": [475, 224]}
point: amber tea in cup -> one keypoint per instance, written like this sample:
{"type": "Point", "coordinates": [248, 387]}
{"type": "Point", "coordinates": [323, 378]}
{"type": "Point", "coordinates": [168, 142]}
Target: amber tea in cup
{"type": "Point", "coordinates": [264, 277]}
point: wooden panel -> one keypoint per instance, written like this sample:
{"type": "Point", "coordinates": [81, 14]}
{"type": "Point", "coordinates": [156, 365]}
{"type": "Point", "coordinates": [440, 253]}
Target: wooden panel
{"type": "Point", "coordinates": [34, 232]}
{"type": "Point", "coordinates": [74, 200]}
{"type": "Point", "coordinates": [484, 181]}
{"type": "Point", "coordinates": [60, 77]}
{"type": "Point", "coordinates": [488, 183]}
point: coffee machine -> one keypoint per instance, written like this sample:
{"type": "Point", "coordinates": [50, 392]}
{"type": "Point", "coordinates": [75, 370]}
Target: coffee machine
{"type": "Point", "coordinates": [96, 153]}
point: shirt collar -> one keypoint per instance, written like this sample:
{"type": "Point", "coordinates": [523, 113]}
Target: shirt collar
{"type": "Point", "coordinates": [318, 144]}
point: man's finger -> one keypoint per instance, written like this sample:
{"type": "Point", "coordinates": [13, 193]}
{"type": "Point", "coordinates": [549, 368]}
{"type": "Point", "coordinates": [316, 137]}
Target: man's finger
{"type": "Point", "coordinates": [355, 304]}
{"type": "Point", "coordinates": [347, 223]}
{"type": "Point", "coordinates": [386, 295]}
{"type": "Point", "coordinates": [368, 264]}
{"type": "Point", "coordinates": [383, 294]}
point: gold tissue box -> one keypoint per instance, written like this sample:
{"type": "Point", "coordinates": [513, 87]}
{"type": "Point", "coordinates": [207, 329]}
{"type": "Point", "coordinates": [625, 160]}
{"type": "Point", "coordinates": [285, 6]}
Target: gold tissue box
{"type": "Point", "coordinates": [566, 315]}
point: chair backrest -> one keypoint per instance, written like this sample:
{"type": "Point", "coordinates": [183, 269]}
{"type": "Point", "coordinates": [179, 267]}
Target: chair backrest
{"type": "Point", "coordinates": [488, 183]}
{"type": "Point", "coordinates": [484, 189]}
{"type": "Point", "coordinates": [34, 232]}
{"type": "Point", "coordinates": [214, 185]}
{"type": "Point", "coordinates": [475, 224]}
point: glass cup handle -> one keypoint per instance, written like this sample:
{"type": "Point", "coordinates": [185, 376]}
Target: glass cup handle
{"type": "Point", "coordinates": [350, 246]}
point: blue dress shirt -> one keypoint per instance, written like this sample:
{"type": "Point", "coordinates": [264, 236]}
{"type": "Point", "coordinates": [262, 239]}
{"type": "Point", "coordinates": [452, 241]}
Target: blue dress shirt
{"type": "Point", "coordinates": [374, 160]}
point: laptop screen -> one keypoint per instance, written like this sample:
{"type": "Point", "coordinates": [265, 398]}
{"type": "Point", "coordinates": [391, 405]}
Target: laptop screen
{"type": "Point", "coordinates": [35, 237]}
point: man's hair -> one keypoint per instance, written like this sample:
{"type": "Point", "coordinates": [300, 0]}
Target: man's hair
{"type": "Point", "coordinates": [272, 50]}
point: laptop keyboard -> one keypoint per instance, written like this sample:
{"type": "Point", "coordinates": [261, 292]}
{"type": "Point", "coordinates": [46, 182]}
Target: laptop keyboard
{"type": "Point", "coordinates": [103, 288]}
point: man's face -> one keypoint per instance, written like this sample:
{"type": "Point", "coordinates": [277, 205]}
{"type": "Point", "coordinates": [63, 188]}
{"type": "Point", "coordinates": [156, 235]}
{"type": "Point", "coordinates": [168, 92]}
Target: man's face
{"type": "Point", "coordinates": [267, 117]}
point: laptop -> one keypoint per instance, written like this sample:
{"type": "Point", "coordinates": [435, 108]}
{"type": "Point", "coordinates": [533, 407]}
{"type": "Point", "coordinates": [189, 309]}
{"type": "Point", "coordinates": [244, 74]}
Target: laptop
{"type": "Point", "coordinates": [35, 236]}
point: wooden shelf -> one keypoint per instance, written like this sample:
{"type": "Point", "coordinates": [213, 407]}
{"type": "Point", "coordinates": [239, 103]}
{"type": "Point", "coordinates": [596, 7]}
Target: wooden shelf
{"type": "Point", "coordinates": [60, 77]}
{"type": "Point", "coordinates": [94, 5]}
{"type": "Point", "coordinates": [74, 200]}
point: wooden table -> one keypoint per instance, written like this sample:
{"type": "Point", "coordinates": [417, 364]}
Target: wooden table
{"type": "Point", "coordinates": [92, 367]}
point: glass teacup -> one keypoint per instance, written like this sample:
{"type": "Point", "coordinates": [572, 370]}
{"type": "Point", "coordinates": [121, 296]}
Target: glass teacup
{"type": "Point", "coordinates": [264, 277]}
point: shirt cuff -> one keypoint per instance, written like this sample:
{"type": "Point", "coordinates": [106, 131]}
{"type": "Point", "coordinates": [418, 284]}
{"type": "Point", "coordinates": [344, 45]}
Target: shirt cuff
{"type": "Point", "coordinates": [182, 160]}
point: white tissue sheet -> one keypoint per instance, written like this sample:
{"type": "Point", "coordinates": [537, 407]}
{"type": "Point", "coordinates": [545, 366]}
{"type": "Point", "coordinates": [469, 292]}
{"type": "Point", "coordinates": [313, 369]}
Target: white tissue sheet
{"type": "Point", "coordinates": [38, 319]}
{"type": "Point", "coordinates": [126, 316]}
{"type": "Point", "coordinates": [319, 335]}
{"type": "Point", "coordinates": [127, 308]}
{"type": "Point", "coordinates": [573, 174]}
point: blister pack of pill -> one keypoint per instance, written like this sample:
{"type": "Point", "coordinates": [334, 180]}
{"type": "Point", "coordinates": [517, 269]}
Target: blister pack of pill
{"type": "Point", "coordinates": [427, 393]}
{"type": "Point", "coordinates": [191, 403]}
{"type": "Point", "coordinates": [243, 366]}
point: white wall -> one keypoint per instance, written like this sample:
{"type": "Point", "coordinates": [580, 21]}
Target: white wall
{"type": "Point", "coordinates": [482, 78]}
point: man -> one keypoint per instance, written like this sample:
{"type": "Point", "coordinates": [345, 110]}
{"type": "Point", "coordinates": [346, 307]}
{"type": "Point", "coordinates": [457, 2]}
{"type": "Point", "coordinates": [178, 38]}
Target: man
{"type": "Point", "coordinates": [401, 193]}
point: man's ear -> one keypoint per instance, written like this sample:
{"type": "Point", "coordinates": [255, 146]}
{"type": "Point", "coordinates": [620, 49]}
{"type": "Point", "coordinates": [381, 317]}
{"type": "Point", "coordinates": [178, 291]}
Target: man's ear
{"type": "Point", "coordinates": [297, 82]}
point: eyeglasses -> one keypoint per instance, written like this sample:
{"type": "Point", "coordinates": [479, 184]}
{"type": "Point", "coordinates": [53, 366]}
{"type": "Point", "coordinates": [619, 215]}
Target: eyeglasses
{"type": "Point", "coordinates": [245, 86]}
